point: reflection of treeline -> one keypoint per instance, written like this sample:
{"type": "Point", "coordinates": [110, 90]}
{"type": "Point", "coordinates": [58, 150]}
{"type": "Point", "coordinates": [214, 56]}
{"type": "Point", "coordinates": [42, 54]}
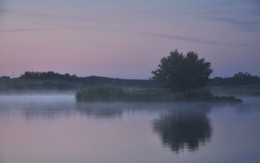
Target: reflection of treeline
{"type": "Point", "coordinates": [239, 78]}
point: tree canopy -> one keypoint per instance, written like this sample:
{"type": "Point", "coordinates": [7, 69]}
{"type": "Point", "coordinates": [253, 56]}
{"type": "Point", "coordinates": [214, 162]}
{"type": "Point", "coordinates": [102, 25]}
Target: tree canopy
{"type": "Point", "coordinates": [179, 72]}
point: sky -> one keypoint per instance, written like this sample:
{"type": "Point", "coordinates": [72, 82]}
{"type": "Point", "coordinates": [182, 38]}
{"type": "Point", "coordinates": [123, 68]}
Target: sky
{"type": "Point", "coordinates": [127, 39]}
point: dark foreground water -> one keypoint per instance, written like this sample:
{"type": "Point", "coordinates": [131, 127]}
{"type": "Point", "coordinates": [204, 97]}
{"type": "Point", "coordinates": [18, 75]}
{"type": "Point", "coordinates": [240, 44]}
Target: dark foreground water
{"type": "Point", "coordinates": [55, 129]}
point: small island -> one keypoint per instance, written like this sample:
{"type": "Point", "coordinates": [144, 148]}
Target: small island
{"type": "Point", "coordinates": [180, 78]}
{"type": "Point", "coordinates": [118, 94]}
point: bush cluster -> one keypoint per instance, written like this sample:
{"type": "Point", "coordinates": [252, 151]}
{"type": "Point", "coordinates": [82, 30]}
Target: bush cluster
{"type": "Point", "coordinates": [110, 94]}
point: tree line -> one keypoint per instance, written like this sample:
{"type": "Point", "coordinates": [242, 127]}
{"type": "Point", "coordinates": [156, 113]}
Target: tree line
{"type": "Point", "coordinates": [87, 81]}
{"type": "Point", "coordinates": [50, 75]}
{"type": "Point", "coordinates": [240, 78]}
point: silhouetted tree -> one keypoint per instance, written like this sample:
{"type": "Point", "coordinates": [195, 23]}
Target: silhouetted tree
{"type": "Point", "coordinates": [245, 78]}
{"type": "Point", "coordinates": [179, 72]}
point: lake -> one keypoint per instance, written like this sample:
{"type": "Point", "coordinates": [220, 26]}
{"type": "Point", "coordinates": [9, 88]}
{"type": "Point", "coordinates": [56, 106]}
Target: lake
{"type": "Point", "coordinates": [53, 128]}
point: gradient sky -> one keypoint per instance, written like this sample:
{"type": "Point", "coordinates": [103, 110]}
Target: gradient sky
{"type": "Point", "coordinates": [127, 39]}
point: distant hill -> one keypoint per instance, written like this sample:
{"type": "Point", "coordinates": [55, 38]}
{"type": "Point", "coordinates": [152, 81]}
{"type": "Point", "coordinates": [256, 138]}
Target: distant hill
{"type": "Point", "coordinates": [97, 80]}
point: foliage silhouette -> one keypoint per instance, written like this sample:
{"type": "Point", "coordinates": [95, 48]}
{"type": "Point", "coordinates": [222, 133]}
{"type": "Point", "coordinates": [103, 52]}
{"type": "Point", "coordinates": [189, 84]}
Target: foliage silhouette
{"type": "Point", "coordinates": [87, 81]}
{"type": "Point", "coordinates": [240, 78]}
{"type": "Point", "coordinates": [179, 72]}
{"type": "Point", "coordinates": [50, 75]}
{"type": "Point", "coordinates": [5, 77]}
{"type": "Point", "coordinates": [108, 93]}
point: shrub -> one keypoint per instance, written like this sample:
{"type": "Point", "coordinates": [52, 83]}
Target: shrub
{"type": "Point", "coordinates": [110, 94]}
{"type": "Point", "coordinates": [101, 93]}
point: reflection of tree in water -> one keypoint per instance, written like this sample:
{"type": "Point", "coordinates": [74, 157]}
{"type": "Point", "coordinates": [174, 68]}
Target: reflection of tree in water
{"type": "Point", "coordinates": [184, 128]}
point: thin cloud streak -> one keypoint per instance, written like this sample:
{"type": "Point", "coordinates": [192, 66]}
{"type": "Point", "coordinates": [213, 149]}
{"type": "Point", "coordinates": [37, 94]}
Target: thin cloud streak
{"type": "Point", "coordinates": [242, 25]}
{"type": "Point", "coordinates": [203, 13]}
{"type": "Point", "coordinates": [166, 36]}
{"type": "Point", "coordinates": [57, 16]}
{"type": "Point", "coordinates": [158, 35]}
{"type": "Point", "coordinates": [249, 26]}
{"type": "Point", "coordinates": [193, 40]}
{"type": "Point", "coordinates": [27, 30]}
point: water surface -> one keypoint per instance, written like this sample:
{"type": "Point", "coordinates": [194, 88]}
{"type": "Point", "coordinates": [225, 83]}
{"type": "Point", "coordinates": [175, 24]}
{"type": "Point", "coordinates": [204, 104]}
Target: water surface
{"type": "Point", "coordinates": [54, 128]}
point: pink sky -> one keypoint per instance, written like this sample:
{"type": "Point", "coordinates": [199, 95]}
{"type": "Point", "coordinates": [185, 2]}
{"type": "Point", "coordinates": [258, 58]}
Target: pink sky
{"type": "Point", "coordinates": [126, 39]}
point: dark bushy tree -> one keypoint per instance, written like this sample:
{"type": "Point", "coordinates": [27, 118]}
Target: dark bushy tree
{"type": "Point", "coordinates": [245, 78]}
{"type": "Point", "coordinates": [240, 78]}
{"type": "Point", "coordinates": [179, 72]}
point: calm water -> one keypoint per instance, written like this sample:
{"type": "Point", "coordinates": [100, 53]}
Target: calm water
{"type": "Point", "coordinates": [54, 129]}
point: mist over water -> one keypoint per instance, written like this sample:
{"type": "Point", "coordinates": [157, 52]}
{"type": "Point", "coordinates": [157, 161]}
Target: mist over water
{"type": "Point", "coordinates": [54, 128]}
